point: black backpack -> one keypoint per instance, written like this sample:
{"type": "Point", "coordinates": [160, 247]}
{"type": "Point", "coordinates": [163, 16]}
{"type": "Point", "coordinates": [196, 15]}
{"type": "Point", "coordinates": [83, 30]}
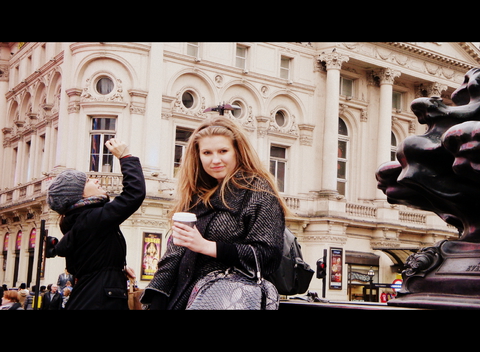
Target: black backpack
{"type": "Point", "coordinates": [293, 276]}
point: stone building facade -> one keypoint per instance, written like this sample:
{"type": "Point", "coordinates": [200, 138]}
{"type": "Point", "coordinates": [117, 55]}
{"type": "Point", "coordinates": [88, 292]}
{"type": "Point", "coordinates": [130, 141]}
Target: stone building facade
{"type": "Point", "coordinates": [322, 116]}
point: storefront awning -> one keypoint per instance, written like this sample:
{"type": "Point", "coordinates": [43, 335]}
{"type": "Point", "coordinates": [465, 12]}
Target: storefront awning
{"type": "Point", "coordinates": [398, 255]}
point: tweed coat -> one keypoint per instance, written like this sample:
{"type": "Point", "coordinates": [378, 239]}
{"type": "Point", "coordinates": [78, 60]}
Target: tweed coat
{"type": "Point", "coordinates": [253, 218]}
{"type": "Point", "coordinates": [94, 247]}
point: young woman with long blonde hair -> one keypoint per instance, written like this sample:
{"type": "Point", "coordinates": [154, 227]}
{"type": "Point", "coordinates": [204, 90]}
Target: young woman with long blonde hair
{"type": "Point", "coordinates": [237, 204]}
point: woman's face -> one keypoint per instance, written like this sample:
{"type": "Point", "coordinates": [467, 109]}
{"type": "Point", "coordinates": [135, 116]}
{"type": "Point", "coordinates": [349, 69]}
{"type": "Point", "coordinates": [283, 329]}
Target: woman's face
{"type": "Point", "coordinates": [93, 188]}
{"type": "Point", "coordinates": [218, 156]}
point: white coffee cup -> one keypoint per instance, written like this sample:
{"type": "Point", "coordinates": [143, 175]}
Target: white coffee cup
{"type": "Point", "coordinates": [185, 218]}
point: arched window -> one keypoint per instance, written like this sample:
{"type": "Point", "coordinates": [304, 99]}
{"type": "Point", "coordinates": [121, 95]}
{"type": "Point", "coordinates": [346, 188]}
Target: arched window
{"type": "Point", "coordinates": [393, 150]}
{"type": "Point", "coordinates": [5, 250]}
{"type": "Point", "coordinates": [342, 158]}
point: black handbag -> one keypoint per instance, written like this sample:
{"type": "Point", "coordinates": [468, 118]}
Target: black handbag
{"type": "Point", "coordinates": [293, 276]}
{"type": "Point", "coordinates": [232, 289]}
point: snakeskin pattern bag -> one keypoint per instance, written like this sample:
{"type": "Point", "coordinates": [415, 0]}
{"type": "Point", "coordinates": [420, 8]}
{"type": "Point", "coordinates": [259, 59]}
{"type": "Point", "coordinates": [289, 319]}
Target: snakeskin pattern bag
{"type": "Point", "coordinates": [231, 289]}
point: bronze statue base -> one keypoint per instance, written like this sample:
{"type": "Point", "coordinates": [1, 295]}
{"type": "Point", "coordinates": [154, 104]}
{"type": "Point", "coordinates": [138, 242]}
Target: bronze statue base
{"type": "Point", "coordinates": [446, 276]}
{"type": "Point", "coordinates": [436, 301]}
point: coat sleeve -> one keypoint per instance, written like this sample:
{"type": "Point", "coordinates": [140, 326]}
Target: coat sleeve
{"type": "Point", "coordinates": [264, 223]}
{"type": "Point", "coordinates": [132, 196]}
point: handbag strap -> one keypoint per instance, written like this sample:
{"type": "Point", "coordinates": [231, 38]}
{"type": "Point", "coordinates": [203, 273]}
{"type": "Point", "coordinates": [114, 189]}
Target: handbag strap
{"type": "Point", "coordinates": [257, 273]}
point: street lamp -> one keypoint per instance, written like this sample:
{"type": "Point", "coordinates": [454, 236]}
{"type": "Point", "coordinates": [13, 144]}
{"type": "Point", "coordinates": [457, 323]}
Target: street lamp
{"type": "Point", "coordinates": [222, 107]}
{"type": "Point", "coordinates": [371, 274]}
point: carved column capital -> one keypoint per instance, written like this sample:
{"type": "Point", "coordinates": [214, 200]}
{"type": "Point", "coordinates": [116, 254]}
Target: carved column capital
{"type": "Point", "coordinates": [333, 60]}
{"type": "Point", "coordinates": [436, 89]}
{"type": "Point", "coordinates": [387, 75]}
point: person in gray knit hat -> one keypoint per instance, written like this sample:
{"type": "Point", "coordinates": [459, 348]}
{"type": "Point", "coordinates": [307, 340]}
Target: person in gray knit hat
{"type": "Point", "coordinates": [93, 244]}
{"type": "Point", "coordinates": [66, 189]}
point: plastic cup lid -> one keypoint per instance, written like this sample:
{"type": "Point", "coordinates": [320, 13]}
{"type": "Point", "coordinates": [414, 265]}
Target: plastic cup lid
{"type": "Point", "coordinates": [187, 217]}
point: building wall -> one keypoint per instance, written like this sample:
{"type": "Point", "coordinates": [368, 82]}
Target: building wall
{"type": "Point", "coordinates": [48, 98]}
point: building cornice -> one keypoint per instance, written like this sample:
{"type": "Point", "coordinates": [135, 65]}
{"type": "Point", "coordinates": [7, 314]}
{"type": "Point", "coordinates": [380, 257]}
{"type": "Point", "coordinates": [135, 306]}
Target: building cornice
{"type": "Point", "coordinates": [438, 57]}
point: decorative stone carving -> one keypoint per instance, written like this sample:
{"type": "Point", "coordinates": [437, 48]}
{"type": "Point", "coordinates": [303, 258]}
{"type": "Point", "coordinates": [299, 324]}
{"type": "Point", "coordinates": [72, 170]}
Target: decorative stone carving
{"type": "Point", "coordinates": [333, 60]}
{"type": "Point", "coordinates": [387, 75]}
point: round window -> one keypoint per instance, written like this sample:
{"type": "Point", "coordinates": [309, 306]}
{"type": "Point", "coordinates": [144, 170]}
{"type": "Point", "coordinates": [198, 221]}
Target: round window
{"type": "Point", "coordinates": [104, 85]}
{"type": "Point", "coordinates": [187, 99]}
{"type": "Point", "coordinates": [280, 118]}
{"type": "Point", "coordinates": [237, 113]}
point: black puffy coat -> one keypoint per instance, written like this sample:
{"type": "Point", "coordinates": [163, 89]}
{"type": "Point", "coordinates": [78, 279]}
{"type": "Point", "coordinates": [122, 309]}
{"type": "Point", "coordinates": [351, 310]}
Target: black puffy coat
{"type": "Point", "coordinates": [94, 247]}
{"type": "Point", "coordinates": [253, 218]}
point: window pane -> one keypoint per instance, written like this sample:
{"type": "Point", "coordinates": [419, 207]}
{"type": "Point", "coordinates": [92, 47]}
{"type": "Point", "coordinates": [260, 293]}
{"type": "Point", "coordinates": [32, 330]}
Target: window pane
{"type": "Point", "coordinates": [273, 167]}
{"type": "Point", "coordinates": [341, 188]}
{"type": "Point", "coordinates": [178, 155]}
{"type": "Point", "coordinates": [104, 124]}
{"type": "Point", "coordinates": [182, 135]}
{"type": "Point", "coordinates": [284, 67]}
{"type": "Point", "coordinates": [277, 152]}
{"type": "Point", "coordinates": [241, 57]}
{"type": "Point", "coordinates": [237, 113]}
{"type": "Point", "coordinates": [397, 100]}
{"type": "Point", "coordinates": [342, 128]}
{"type": "Point", "coordinates": [104, 85]}
{"type": "Point", "coordinates": [95, 152]}
{"type": "Point", "coordinates": [107, 163]}
{"type": "Point", "coordinates": [280, 118]}
{"type": "Point", "coordinates": [281, 176]}
{"type": "Point", "coordinates": [393, 156]}
{"type": "Point", "coordinates": [342, 149]}
{"type": "Point", "coordinates": [187, 100]}
{"type": "Point", "coordinates": [106, 137]}
{"type": "Point", "coordinates": [192, 49]}
{"type": "Point", "coordinates": [341, 169]}
{"type": "Point", "coordinates": [393, 140]}
{"type": "Point", "coordinates": [346, 87]}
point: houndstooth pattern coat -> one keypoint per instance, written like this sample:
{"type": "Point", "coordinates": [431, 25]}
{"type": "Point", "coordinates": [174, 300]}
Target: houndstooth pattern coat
{"type": "Point", "coordinates": [253, 218]}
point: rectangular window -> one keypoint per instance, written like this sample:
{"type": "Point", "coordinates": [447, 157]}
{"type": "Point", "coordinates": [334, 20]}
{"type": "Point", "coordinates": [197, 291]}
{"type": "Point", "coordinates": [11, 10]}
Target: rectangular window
{"type": "Point", "coordinates": [397, 101]}
{"type": "Point", "coordinates": [278, 165]}
{"type": "Point", "coordinates": [101, 160]}
{"type": "Point", "coordinates": [28, 161]}
{"type": "Point", "coordinates": [285, 67]}
{"type": "Point", "coordinates": [346, 87]}
{"type": "Point", "coordinates": [342, 167]}
{"type": "Point", "coordinates": [241, 57]}
{"type": "Point", "coordinates": [192, 49]}
{"type": "Point", "coordinates": [181, 139]}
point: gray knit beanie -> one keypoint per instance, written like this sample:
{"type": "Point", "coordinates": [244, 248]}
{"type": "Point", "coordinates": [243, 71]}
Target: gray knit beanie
{"type": "Point", "coordinates": [66, 189]}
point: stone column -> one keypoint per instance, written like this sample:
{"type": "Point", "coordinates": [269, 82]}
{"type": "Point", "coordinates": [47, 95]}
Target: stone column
{"type": "Point", "coordinates": [4, 176]}
{"type": "Point", "coordinates": [158, 137]}
{"type": "Point", "coordinates": [384, 133]}
{"type": "Point", "coordinates": [334, 63]}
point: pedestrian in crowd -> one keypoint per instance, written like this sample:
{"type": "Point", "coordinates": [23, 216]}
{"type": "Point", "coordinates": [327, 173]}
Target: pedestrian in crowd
{"type": "Point", "coordinates": [63, 278]}
{"type": "Point", "coordinates": [66, 296]}
{"type": "Point", "coordinates": [93, 245]}
{"type": "Point", "coordinates": [52, 300]}
{"type": "Point", "coordinates": [68, 287]}
{"type": "Point", "coordinates": [237, 204]}
{"type": "Point", "coordinates": [10, 301]}
{"type": "Point", "coordinates": [22, 293]}
{"type": "Point", "coordinates": [43, 290]}
{"type": "Point", "coordinates": [28, 304]}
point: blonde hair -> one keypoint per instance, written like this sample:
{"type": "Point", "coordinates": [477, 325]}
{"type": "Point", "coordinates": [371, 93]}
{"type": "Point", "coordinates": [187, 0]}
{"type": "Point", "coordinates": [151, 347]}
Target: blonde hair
{"type": "Point", "coordinates": [194, 180]}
